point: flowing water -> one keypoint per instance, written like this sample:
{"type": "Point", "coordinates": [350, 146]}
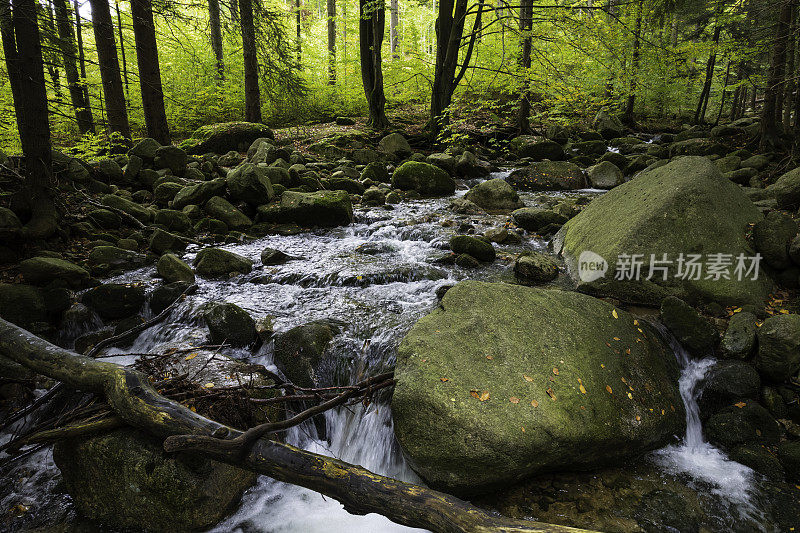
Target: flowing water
{"type": "Point", "coordinates": [375, 278]}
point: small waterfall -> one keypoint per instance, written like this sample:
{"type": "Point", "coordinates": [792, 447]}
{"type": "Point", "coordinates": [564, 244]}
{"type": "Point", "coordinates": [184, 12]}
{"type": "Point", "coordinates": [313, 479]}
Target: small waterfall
{"type": "Point", "coordinates": [706, 465]}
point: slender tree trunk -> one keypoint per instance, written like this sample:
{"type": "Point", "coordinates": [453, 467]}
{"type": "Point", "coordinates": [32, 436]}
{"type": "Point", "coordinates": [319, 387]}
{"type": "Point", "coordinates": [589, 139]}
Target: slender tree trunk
{"type": "Point", "coordinates": [724, 94]}
{"type": "Point", "coordinates": [637, 38]}
{"type": "Point", "coordinates": [83, 113]}
{"type": "Point", "coordinates": [788, 100]}
{"type": "Point", "coordinates": [331, 12]}
{"type": "Point", "coordinates": [371, 29]}
{"type": "Point", "coordinates": [216, 37]}
{"type": "Point", "coordinates": [144, 30]}
{"type": "Point", "coordinates": [252, 94]}
{"type": "Point", "coordinates": [770, 138]}
{"type": "Point", "coordinates": [23, 54]}
{"type": "Point", "coordinates": [109, 68]}
{"type": "Point", "coordinates": [449, 31]}
{"type": "Point", "coordinates": [705, 94]}
{"type": "Point", "coordinates": [525, 23]}
{"type": "Point", "coordinates": [394, 21]}
{"type": "Point", "coordinates": [298, 26]}
{"type": "Point", "coordinates": [51, 56]}
{"type": "Point", "coordinates": [122, 50]}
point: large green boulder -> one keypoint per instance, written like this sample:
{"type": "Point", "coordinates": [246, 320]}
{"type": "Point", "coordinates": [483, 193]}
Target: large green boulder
{"type": "Point", "coordinates": [138, 212]}
{"type": "Point", "coordinates": [740, 337]}
{"type": "Point", "coordinates": [787, 189]}
{"type": "Point", "coordinates": [110, 258]}
{"type": "Point", "coordinates": [173, 220]}
{"type": "Point", "coordinates": [216, 262]}
{"type": "Point", "coordinates": [694, 332]}
{"type": "Point", "coordinates": [145, 149]}
{"type": "Point", "coordinates": [772, 236]}
{"type": "Point", "coordinates": [495, 196]}
{"type": "Point", "coordinates": [779, 347]}
{"type": "Point", "coordinates": [685, 207]}
{"type": "Point", "coordinates": [537, 148]}
{"type": "Point", "coordinates": [162, 242]}
{"type": "Point", "coordinates": [224, 137]}
{"type": "Point", "coordinates": [427, 179]}
{"type": "Point", "coordinates": [321, 208]}
{"type": "Point", "coordinates": [477, 248]}
{"type": "Point", "coordinates": [395, 144]}
{"type": "Point", "coordinates": [608, 125]}
{"type": "Point", "coordinates": [199, 193]}
{"type": "Point", "coordinates": [502, 382]}
{"type": "Point", "coordinates": [172, 269]}
{"type": "Point", "coordinates": [299, 351]}
{"type": "Point", "coordinates": [50, 270]}
{"type": "Point", "coordinates": [172, 158]}
{"type": "Point", "coordinates": [22, 305]}
{"type": "Point", "coordinates": [165, 192]}
{"type": "Point", "coordinates": [115, 300]}
{"type": "Point", "coordinates": [548, 176]}
{"type": "Point", "coordinates": [249, 183]}
{"type": "Point", "coordinates": [229, 323]}
{"type": "Point", "coordinates": [124, 480]}
{"type": "Point", "coordinates": [221, 209]}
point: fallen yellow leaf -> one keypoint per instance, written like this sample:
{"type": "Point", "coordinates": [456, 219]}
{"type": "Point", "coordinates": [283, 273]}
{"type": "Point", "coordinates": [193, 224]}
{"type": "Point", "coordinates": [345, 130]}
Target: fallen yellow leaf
{"type": "Point", "coordinates": [482, 396]}
{"type": "Point", "coordinates": [740, 405]}
{"type": "Point", "coordinates": [513, 399]}
{"type": "Point", "coordinates": [555, 371]}
{"type": "Point", "coordinates": [527, 378]}
{"type": "Point", "coordinates": [534, 403]}
{"type": "Point", "coordinates": [190, 356]}
{"type": "Point", "coordinates": [443, 380]}
{"type": "Point", "coordinates": [630, 396]}
{"type": "Point", "coordinates": [208, 385]}
{"type": "Point", "coordinates": [609, 389]}
{"type": "Point", "coordinates": [614, 313]}
{"type": "Point", "coordinates": [551, 394]}
{"type": "Point", "coordinates": [582, 388]}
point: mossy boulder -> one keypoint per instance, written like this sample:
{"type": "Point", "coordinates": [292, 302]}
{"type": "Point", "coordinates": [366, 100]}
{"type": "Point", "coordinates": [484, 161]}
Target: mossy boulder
{"type": "Point", "coordinates": [110, 258]}
{"type": "Point", "coordinates": [162, 242]}
{"type": "Point", "coordinates": [726, 383]}
{"type": "Point", "coordinates": [145, 149]}
{"type": "Point", "coordinates": [772, 236]}
{"type": "Point", "coordinates": [694, 332]}
{"type": "Point", "coordinates": [786, 190]}
{"type": "Point", "coordinates": [502, 382]}
{"type": "Point", "coordinates": [395, 144]}
{"type": "Point", "coordinates": [221, 209]}
{"type": "Point", "coordinates": [740, 337]}
{"type": "Point", "coordinates": [477, 248]}
{"type": "Point", "coordinates": [199, 193]}
{"type": "Point", "coordinates": [684, 207]}
{"type": "Point", "coordinates": [604, 175]}
{"type": "Point", "coordinates": [779, 347]}
{"type": "Point", "coordinates": [299, 351]}
{"type": "Point", "coordinates": [230, 324]}
{"type": "Point", "coordinates": [376, 171]}
{"type": "Point", "coordinates": [745, 422]}
{"type": "Point", "coordinates": [172, 269]}
{"type": "Point", "coordinates": [172, 158]}
{"type": "Point", "coordinates": [125, 480]}
{"type": "Point", "coordinates": [548, 176]}
{"type": "Point", "coordinates": [789, 455]}
{"type": "Point", "coordinates": [53, 271]}
{"type": "Point", "coordinates": [216, 262]}
{"type": "Point", "coordinates": [23, 305]}
{"type": "Point", "coordinates": [536, 218]}
{"type": "Point", "coordinates": [607, 124]}
{"type": "Point", "coordinates": [495, 196]}
{"type": "Point", "coordinates": [115, 300]}
{"type": "Point", "coordinates": [224, 137]}
{"type": "Point", "coordinates": [537, 149]}
{"type": "Point", "coordinates": [10, 224]}
{"type": "Point", "coordinates": [249, 183]}
{"type": "Point", "coordinates": [164, 193]}
{"type": "Point", "coordinates": [138, 212]}
{"type": "Point", "coordinates": [320, 208]}
{"type": "Point", "coordinates": [173, 220]}
{"type": "Point", "coordinates": [427, 179]}
{"type": "Point", "coordinates": [534, 268]}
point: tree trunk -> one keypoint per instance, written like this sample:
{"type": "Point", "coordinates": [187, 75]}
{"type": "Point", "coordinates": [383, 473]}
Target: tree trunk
{"type": "Point", "coordinates": [637, 45]}
{"type": "Point", "coordinates": [298, 24]}
{"type": "Point", "coordinates": [252, 94]}
{"type": "Point", "coordinates": [705, 94]}
{"type": "Point", "coordinates": [525, 23]}
{"type": "Point", "coordinates": [331, 11]}
{"type": "Point", "coordinates": [23, 54]}
{"type": "Point", "coordinates": [131, 396]}
{"type": "Point", "coordinates": [53, 59]}
{"type": "Point", "coordinates": [770, 138]}
{"type": "Point", "coordinates": [371, 27]}
{"type": "Point", "coordinates": [216, 37]}
{"type": "Point", "coordinates": [81, 56]}
{"type": "Point", "coordinates": [394, 21]}
{"type": "Point", "coordinates": [144, 30]}
{"type": "Point", "coordinates": [122, 50]}
{"type": "Point", "coordinates": [449, 31]}
{"type": "Point", "coordinates": [83, 113]}
{"type": "Point", "coordinates": [109, 68]}
{"type": "Point", "coordinates": [788, 100]}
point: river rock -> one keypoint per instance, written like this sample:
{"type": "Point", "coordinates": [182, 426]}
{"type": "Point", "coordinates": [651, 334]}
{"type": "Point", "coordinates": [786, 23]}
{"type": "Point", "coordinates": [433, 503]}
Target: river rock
{"type": "Point", "coordinates": [444, 161]}
{"type": "Point", "coordinates": [604, 175]}
{"type": "Point", "coordinates": [740, 337]}
{"type": "Point", "coordinates": [138, 212]}
{"type": "Point", "coordinates": [502, 382]}
{"type": "Point", "coordinates": [115, 300]}
{"type": "Point", "coordinates": [216, 262]}
{"type": "Point", "coordinates": [772, 236]}
{"type": "Point", "coordinates": [321, 208]}
{"type": "Point", "coordinates": [469, 166]}
{"type": "Point", "coordinates": [23, 305]}
{"type": "Point", "coordinates": [726, 383]}
{"type": "Point", "coordinates": [374, 197]}
{"type": "Point", "coordinates": [779, 347]}
{"type": "Point", "coordinates": [535, 219]}
{"type": "Point", "coordinates": [759, 459]}
{"type": "Point", "coordinates": [742, 423]}
{"type": "Point", "coordinates": [395, 144]}
{"type": "Point", "coordinates": [162, 242]}
{"type": "Point", "coordinates": [145, 149]}
{"type": "Point", "coordinates": [683, 207]}
{"type": "Point", "coordinates": [9, 224]}
{"type": "Point", "coordinates": [223, 137]}
{"type": "Point", "coordinates": [229, 323]}
{"type": "Point", "coordinates": [199, 193]}
{"type": "Point", "coordinates": [495, 196]}
{"type": "Point", "coordinates": [789, 455]}
{"type": "Point", "coordinates": [164, 193]}
{"type": "Point", "coordinates": [109, 258]}
{"type": "Point", "coordinates": [123, 479]}
{"type": "Point", "coordinates": [221, 209]}
{"type": "Point", "coordinates": [786, 190]}
{"type": "Point", "coordinates": [535, 268]}
{"type": "Point", "coordinates": [53, 271]}
{"type": "Point", "coordinates": [165, 295]}
{"type": "Point", "coordinates": [477, 248]}
{"type": "Point", "coordinates": [548, 176]}
{"type": "Point", "coordinates": [424, 178]}
{"type": "Point", "coordinates": [249, 183]}
{"type": "Point", "coordinates": [172, 158]}
{"type": "Point", "coordinates": [173, 220]}
{"type": "Point", "coordinates": [108, 171]}
{"type": "Point", "coordinates": [537, 149]}
{"type": "Point", "coordinates": [376, 171]}
{"type": "Point", "coordinates": [299, 351]}
{"type": "Point", "coordinates": [608, 125]}
{"type": "Point", "coordinates": [271, 256]}
{"type": "Point", "coordinates": [172, 269]}
{"type": "Point", "coordinates": [694, 332]}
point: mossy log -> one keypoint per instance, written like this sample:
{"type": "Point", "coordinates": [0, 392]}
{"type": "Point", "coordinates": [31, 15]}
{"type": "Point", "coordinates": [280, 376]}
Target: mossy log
{"type": "Point", "coordinates": [136, 402]}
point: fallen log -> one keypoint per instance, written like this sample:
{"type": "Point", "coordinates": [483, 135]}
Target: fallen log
{"type": "Point", "coordinates": [134, 400]}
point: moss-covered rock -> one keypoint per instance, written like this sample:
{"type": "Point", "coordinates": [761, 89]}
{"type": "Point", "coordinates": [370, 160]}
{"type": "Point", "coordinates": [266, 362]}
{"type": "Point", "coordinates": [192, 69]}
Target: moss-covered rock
{"type": "Point", "coordinates": [53, 271]}
{"type": "Point", "coordinates": [104, 259]}
{"type": "Point", "coordinates": [22, 305]}
{"type": "Point", "coordinates": [534, 268]}
{"type": "Point", "coordinates": [536, 219]}
{"type": "Point", "coordinates": [504, 381]}
{"type": "Point", "coordinates": [685, 207]}
{"type": "Point", "coordinates": [145, 149]}
{"type": "Point", "coordinates": [740, 424]}
{"type": "Point", "coordinates": [162, 242]}
{"type": "Point", "coordinates": [395, 144]}
{"type": "Point", "coordinates": [772, 236]}
{"type": "Point", "coordinates": [299, 351]}
{"type": "Point", "coordinates": [138, 212]}
{"type": "Point", "coordinates": [225, 136]}
{"type": "Point", "coordinates": [125, 480]}
{"type": "Point", "coordinates": [607, 124]}
{"type": "Point", "coordinates": [779, 347]}
{"type": "Point", "coordinates": [694, 332]}
{"type": "Point", "coordinates": [199, 193]}
{"type": "Point", "coordinates": [173, 220]}
{"type": "Point", "coordinates": [249, 183]}
{"type": "Point", "coordinates": [321, 208]}
{"type": "Point", "coordinates": [740, 337]}
{"type": "Point", "coordinates": [230, 324]}
{"type": "Point", "coordinates": [548, 176]}
{"type": "Point", "coordinates": [477, 248]}
{"type": "Point", "coordinates": [789, 455]}
{"type": "Point", "coordinates": [115, 300]}
{"type": "Point", "coordinates": [786, 190]}
{"type": "Point", "coordinates": [427, 179]}
{"type": "Point", "coordinates": [221, 209]}
{"type": "Point", "coordinates": [172, 269]}
{"type": "Point", "coordinates": [536, 148]}
{"type": "Point", "coordinates": [216, 262]}
{"type": "Point", "coordinates": [164, 193]}
{"type": "Point", "coordinates": [604, 175]}
{"type": "Point", "coordinates": [726, 383]}
{"type": "Point", "coordinates": [495, 196]}
{"type": "Point", "coordinates": [376, 171]}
